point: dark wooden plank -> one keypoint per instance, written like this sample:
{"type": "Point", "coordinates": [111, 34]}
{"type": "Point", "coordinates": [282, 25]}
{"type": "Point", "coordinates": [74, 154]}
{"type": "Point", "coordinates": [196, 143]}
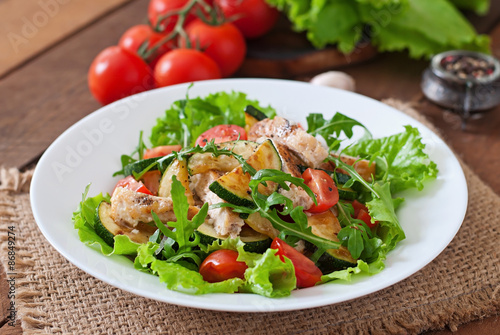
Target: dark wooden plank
{"type": "Point", "coordinates": [29, 27]}
{"type": "Point", "coordinates": [49, 94]}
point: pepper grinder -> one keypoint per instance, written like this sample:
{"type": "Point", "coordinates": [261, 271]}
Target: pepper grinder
{"type": "Point", "coordinates": [463, 81]}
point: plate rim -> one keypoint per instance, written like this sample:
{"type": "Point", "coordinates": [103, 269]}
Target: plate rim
{"type": "Point", "coordinates": [187, 302]}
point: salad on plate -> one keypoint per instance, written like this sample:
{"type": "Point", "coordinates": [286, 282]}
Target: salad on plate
{"type": "Point", "coordinates": [231, 197]}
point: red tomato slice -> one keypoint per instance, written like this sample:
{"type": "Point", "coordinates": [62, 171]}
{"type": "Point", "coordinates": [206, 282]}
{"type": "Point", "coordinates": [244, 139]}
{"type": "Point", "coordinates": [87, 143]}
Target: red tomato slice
{"type": "Point", "coordinates": [307, 273]}
{"type": "Point", "coordinates": [323, 187]}
{"type": "Point", "coordinates": [361, 213]}
{"type": "Point", "coordinates": [222, 133]}
{"type": "Point", "coordinates": [357, 207]}
{"type": "Point", "coordinates": [161, 151]}
{"type": "Point", "coordinates": [221, 265]}
{"type": "Point", "coordinates": [151, 180]}
{"type": "Point", "coordinates": [132, 184]}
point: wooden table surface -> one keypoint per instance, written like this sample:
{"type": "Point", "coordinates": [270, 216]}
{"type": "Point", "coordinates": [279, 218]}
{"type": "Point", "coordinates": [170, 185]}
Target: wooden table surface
{"type": "Point", "coordinates": [46, 51]}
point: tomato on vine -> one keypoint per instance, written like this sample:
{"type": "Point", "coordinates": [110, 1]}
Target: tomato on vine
{"type": "Point", "coordinates": [223, 43]}
{"type": "Point", "coordinates": [141, 38]}
{"type": "Point", "coordinates": [164, 14]}
{"type": "Point", "coordinates": [183, 66]}
{"type": "Point", "coordinates": [253, 18]}
{"type": "Point", "coordinates": [116, 73]}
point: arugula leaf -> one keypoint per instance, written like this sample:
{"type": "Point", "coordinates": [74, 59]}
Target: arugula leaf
{"type": "Point", "coordinates": [266, 207]}
{"type": "Point", "coordinates": [186, 119]}
{"type": "Point", "coordinates": [332, 129]}
{"type": "Point", "coordinates": [183, 234]}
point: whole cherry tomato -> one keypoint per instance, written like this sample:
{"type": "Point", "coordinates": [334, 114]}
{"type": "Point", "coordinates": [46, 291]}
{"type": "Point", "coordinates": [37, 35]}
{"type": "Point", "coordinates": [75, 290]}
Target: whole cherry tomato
{"type": "Point", "coordinates": [323, 187]}
{"type": "Point", "coordinates": [183, 66]}
{"type": "Point", "coordinates": [142, 35]}
{"type": "Point", "coordinates": [116, 73]}
{"type": "Point", "coordinates": [221, 265]}
{"type": "Point", "coordinates": [162, 16]}
{"type": "Point", "coordinates": [307, 273]}
{"type": "Point", "coordinates": [224, 44]}
{"type": "Point", "coordinates": [253, 18]}
{"type": "Point", "coordinates": [221, 133]}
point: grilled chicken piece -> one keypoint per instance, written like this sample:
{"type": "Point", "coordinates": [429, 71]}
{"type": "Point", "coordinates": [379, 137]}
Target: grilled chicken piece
{"type": "Point", "coordinates": [302, 144]}
{"type": "Point", "coordinates": [290, 164]}
{"type": "Point", "coordinates": [129, 207]}
{"type": "Point", "coordinates": [225, 221]}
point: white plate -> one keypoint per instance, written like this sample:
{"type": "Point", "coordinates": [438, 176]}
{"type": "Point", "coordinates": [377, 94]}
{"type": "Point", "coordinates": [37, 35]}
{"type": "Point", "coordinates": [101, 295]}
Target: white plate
{"type": "Point", "coordinates": [90, 151]}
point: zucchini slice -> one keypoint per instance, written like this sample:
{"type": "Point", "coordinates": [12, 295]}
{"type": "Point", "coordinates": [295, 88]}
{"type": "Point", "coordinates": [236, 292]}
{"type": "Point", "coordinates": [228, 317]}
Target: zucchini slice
{"type": "Point", "coordinates": [261, 225]}
{"type": "Point", "coordinates": [252, 116]}
{"type": "Point", "coordinates": [139, 166]}
{"type": "Point", "coordinates": [107, 228]}
{"type": "Point", "coordinates": [327, 225]}
{"type": "Point", "coordinates": [254, 241]}
{"type": "Point", "coordinates": [347, 193]}
{"type": "Point", "coordinates": [255, 113]}
{"type": "Point", "coordinates": [233, 186]}
{"type": "Point", "coordinates": [340, 177]}
{"type": "Point", "coordinates": [203, 162]}
{"type": "Point", "coordinates": [177, 168]}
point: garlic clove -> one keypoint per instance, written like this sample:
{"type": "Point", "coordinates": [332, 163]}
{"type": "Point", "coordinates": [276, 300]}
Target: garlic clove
{"type": "Point", "coordinates": [335, 79]}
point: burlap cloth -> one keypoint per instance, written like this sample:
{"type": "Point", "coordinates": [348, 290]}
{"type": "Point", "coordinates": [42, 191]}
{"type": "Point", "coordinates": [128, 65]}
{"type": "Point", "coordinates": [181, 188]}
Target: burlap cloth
{"type": "Point", "coordinates": [460, 285]}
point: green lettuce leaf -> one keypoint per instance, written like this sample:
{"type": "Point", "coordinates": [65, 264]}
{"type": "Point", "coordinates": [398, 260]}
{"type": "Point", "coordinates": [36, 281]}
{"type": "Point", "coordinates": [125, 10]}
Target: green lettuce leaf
{"type": "Point", "coordinates": [83, 220]}
{"type": "Point", "coordinates": [382, 209]}
{"type": "Point", "coordinates": [423, 27]}
{"type": "Point", "coordinates": [396, 167]}
{"type": "Point", "coordinates": [267, 275]}
{"type": "Point", "coordinates": [481, 7]}
{"type": "Point", "coordinates": [187, 119]}
{"type": "Point", "coordinates": [177, 277]}
{"type": "Point", "coordinates": [427, 27]}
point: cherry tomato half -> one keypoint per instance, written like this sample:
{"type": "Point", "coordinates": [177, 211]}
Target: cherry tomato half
{"type": "Point", "coordinates": [151, 181]}
{"type": "Point", "coordinates": [221, 133]}
{"type": "Point", "coordinates": [139, 34]}
{"type": "Point", "coordinates": [224, 44]}
{"type": "Point", "coordinates": [307, 273]}
{"type": "Point", "coordinates": [116, 73]}
{"type": "Point", "coordinates": [361, 213]}
{"type": "Point", "coordinates": [323, 187]}
{"type": "Point", "coordinates": [183, 66]}
{"type": "Point", "coordinates": [253, 18]}
{"type": "Point", "coordinates": [221, 265]}
{"type": "Point", "coordinates": [161, 151]}
{"type": "Point", "coordinates": [132, 184]}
